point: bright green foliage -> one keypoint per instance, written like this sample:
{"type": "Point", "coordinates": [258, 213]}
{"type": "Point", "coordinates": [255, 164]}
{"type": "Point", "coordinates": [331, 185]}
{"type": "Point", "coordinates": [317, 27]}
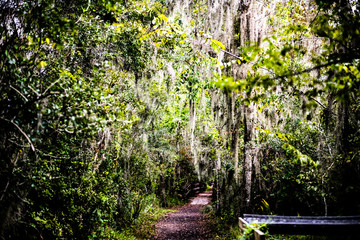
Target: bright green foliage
{"type": "Point", "coordinates": [71, 164]}
{"type": "Point", "coordinates": [308, 62]}
{"type": "Point", "coordinates": [248, 232]}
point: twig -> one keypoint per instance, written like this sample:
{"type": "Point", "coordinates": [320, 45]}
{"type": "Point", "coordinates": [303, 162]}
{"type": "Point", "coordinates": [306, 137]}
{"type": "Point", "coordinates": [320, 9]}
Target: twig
{"type": "Point", "coordinates": [87, 8]}
{"type": "Point", "coordinates": [19, 93]}
{"type": "Point", "coordinates": [19, 145]}
{"type": "Point", "coordinates": [4, 191]}
{"type": "Point", "coordinates": [51, 85]}
{"type": "Point", "coordinates": [24, 200]}
{"type": "Point", "coordinates": [23, 133]}
{"type": "Point", "coordinates": [312, 21]}
{"type": "Point", "coordinates": [308, 70]}
{"type": "Point", "coordinates": [37, 94]}
{"type": "Point", "coordinates": [52, 156]}
{"type": "Point", "coordinates": [232, 54]}
{"type": "Point", "coordinates": [318, 102]}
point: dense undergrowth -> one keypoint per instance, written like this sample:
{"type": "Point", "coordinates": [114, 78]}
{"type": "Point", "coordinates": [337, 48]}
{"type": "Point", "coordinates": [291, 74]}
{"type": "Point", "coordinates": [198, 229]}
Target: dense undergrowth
{"type": "Point", "coordinates": [144, 226]}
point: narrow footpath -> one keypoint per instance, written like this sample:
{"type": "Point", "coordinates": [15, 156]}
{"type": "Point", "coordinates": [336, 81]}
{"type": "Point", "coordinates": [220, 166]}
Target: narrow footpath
{"type": "Point", "coordinates": [188, 223]}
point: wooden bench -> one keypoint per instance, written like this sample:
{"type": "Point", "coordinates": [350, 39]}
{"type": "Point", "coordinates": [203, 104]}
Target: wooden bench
{"type": "Point", "coordinates": [309, 225]}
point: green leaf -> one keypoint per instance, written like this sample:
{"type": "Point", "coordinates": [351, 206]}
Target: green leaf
{"type": "Point", "coordinates": [42, 64]}
{"type": "Point", "coordinates": [163, 17]}
{"type": "Point", "coordinates": [216, 45]}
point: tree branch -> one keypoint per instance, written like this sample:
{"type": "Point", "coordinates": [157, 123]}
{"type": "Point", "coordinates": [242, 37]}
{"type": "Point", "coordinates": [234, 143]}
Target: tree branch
{"type": "Point", "coordinates": [308, 70]}
{"type": "Point", "coordinates": [19, 93]}
{"type": "Point", "coordinates": [318, 102]}
{"type": "Point", "coordinates": [22, 132]}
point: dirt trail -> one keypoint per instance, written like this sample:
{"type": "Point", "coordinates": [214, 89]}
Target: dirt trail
{"type": "Point", "coordinates": [188, 223]}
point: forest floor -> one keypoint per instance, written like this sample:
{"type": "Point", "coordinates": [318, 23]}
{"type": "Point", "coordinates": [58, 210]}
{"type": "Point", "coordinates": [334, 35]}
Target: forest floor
{"type": "Point", "coordinates": [189, 222]}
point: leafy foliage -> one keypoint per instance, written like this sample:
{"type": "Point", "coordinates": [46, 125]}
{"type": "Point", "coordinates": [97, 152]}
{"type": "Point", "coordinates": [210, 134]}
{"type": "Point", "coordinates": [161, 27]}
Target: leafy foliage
{"type": "Point", "coordinates": [70, 105]}
{"type": "Point", "coordinates": [109, 109]}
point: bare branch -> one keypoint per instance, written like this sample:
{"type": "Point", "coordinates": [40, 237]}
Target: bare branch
{"type": "Point", "coordinates": [19, 93]}
{"type": "Point", "coordinates": [51, 85]}
{"type": "Point", "coordinates": [318, 102]}
{"type": "Point", "coordinates": [51, 156]}
{"type": "Point", "coordinates": [23, 133]}
{"type": "Point", "coordinates": [4, 191]}
{"type": "Point", "coordinates": [37, 94]}
{"type": "Point", "coordinates": [308, 70]}
{"type": "Point", "coordinates": [231, 54]}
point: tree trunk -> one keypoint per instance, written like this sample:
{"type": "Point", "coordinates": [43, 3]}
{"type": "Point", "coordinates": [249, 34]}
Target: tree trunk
{"type": "Point", "coordinates": [248, 157]}
{"type": "Point", "coordinates": [192, 125]}
{"type": "Point", "coordinates": [343, 129]}
{"type": "Point", "coordinates": [235, 143]}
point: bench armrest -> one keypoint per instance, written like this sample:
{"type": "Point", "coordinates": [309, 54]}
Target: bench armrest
{"type": "Point", "coordinates": [259, 235]}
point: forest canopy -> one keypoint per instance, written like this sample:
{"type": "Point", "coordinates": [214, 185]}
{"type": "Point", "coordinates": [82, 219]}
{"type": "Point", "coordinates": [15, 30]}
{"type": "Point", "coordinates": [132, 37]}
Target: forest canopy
{"type": "Point", "coordinates": [112, 109]}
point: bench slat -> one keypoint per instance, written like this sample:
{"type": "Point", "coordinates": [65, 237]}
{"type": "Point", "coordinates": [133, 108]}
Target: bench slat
{"type": "Point", "coordinates": [345, 225]}
{"type": "Point", "coordinates": [357, 218]}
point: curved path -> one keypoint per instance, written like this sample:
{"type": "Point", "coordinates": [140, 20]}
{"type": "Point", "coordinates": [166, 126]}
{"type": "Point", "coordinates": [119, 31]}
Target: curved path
{"type": "Point", "coordinates": [188, 223]}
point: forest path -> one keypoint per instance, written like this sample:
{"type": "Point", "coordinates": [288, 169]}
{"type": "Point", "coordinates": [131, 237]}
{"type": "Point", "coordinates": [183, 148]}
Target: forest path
{"type": "Point", "coordinates": [188, 223]}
